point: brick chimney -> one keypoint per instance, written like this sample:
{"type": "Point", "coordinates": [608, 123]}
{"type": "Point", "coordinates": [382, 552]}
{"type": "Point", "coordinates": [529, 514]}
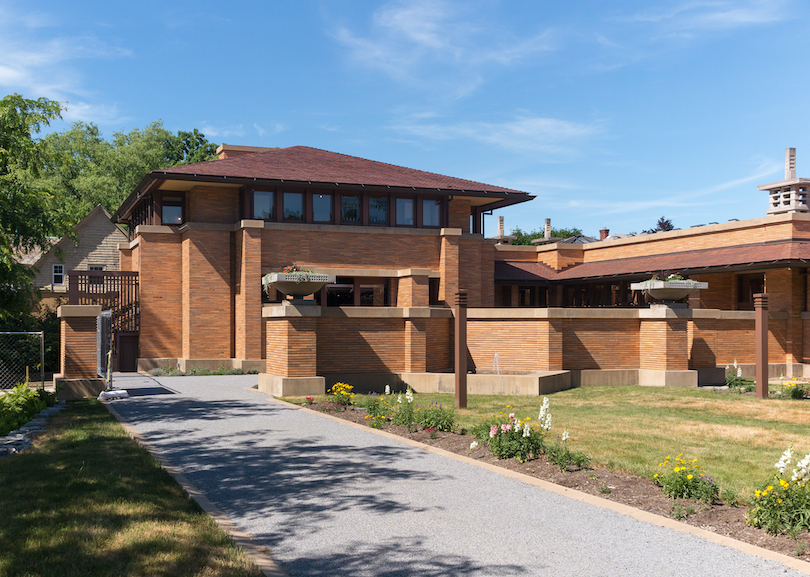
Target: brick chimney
{"type": "Point", "coordinates": [604, 233]}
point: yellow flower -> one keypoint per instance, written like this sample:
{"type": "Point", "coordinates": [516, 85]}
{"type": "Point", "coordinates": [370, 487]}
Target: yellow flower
{"type": "Point", "coordinates": [689, 476]}
{"type": "Point", "coordinates": [769, 488]}
{"type": "Point", "coordinates": [784, 483]}
{"type": "Point", "coordinates": [655, 476]}
{"type": "Point", "coordinates": [757, 493]}
{"type": "Point", "coordinates": [676, 469]}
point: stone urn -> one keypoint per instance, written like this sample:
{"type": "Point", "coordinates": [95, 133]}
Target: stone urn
{"type": "Point", "coordinates": [668, 290]}
{"type": "Point", "coordinates": [297, 284]}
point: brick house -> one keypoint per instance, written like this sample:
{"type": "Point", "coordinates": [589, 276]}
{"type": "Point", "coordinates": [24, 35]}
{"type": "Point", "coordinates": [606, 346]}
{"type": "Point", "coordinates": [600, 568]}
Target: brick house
{"type": "Point", "coordinates": [204, 234]}
{"type": "Point", "coordinates": [401, 242]}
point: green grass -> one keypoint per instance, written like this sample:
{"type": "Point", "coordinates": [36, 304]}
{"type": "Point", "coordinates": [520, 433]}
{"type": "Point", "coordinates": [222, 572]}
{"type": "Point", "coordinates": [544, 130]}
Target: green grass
{"type": "Point", "coordinates": [736, 438]}
{"type": "Point", "coordinates": [87, 500]}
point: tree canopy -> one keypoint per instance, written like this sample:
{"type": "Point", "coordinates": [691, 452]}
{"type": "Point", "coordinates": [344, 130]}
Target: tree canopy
{"type": "Point", "coordinates": [84, 169]}
{"type": "Point", "coordinates": [664, 224]}
{"type": "Point", "coordinates": [522, 237]}
{"type": "Point", "coordinates": [27, 218]}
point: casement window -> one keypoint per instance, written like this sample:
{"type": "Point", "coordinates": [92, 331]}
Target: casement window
{"type": "Point", "coordinates": [378, 210]}
{"type": "Point", "coordinates": [322, 207]}
{"type": "Point", "coordinates": [58, 278]}
{"type": "Point", "coordinates": [293, 206]}
{"type": "Point", "coordinates": [406, 213]}
{"type": "Point", "coordinates": [264, 205]}
{"type": "Point", "coordinates": [350, 209]}
{"type": "Point", "coordinates": [172, 210]}
{"type": "Point", "coordinates": [431, 212]}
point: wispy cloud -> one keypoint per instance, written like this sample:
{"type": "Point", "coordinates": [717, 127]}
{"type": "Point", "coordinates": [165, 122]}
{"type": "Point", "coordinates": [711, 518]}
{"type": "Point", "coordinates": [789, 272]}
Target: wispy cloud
{"type": "Point", "coordinates": [224, 131]}
{"type": "Point", "coordinates": [527, 133]}
{"type": "Point", "coordinates": [716, 15]}
{"type": "Point", "coordinates": [436, 44]}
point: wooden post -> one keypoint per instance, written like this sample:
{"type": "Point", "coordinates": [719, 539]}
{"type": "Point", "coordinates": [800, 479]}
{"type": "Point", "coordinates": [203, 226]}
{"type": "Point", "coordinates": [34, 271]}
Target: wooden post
{"type": "Point", "coordinates": [461, 349]}
{"type": "Point", "coordinates": [761, 330]}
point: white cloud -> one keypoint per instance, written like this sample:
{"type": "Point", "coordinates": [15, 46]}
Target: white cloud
{"type": "Point", "coordinates": [259, 129]}
{"type": "Point", "coordinates": [223, 131]}
{"type": "Point", "coordinates": [436, 45]}
{"type": "Point", "coordinates": [716, 15]}
{"type": "Point", "coordinates": [528, 133]}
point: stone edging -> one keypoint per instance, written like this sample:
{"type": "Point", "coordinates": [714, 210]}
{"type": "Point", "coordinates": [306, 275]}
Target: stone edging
{"type": "Point", "coordinates": [20, 439]}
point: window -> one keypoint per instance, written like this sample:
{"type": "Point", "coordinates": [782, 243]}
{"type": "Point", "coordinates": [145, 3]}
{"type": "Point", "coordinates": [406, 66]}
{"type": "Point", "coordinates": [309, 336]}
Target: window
{"type": "Point", "coordinates": [378, 210]}
{"type": "Point", "coordinates": [350, 209]}
{"type": "Point", "coordinates": [264, 205]}
{"type": "Point", "coordinates": [172, 210]}
{"type": "Point", "coordinates": [431, 212]}
{"type": "Point", "coordinates": [405, 212]}
{"type": "Point", "coordinates": [321, 207]}
{"type": "Point", "coordinates": [294, 206]}
{"type": "Point", "coordinates": [58, 274]}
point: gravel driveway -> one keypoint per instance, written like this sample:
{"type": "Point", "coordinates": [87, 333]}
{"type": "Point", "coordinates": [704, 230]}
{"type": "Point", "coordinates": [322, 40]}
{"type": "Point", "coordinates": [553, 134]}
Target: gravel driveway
{"type": "Point", "coordinates": [328, 499]}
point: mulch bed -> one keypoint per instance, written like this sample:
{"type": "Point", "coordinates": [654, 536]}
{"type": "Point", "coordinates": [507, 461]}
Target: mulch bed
{"type": "Point", "coordinates": [620, 487]}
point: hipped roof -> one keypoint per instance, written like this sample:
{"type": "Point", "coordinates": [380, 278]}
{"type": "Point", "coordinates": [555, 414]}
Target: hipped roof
{"type": "Point", "coordinates": [302, 164]}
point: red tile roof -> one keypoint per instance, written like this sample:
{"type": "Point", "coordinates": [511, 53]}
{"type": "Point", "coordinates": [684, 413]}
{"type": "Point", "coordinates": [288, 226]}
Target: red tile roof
{"type": "Point", "coordinates": [305, 164]}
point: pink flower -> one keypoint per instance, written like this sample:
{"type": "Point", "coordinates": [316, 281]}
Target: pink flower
{"type": "Point", "coordinates": [506, 428]}
{"type": "Point", "coordinates": [511, 416]}
{"type": "Point", "coordinates": [493, 430]}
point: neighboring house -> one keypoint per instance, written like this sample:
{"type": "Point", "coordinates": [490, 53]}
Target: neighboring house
{"type": "Point", "coordinates": [95, 248]}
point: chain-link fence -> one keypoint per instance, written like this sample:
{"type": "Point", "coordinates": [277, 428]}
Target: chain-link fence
{"type": "Point", "coordinates": [21, 358]}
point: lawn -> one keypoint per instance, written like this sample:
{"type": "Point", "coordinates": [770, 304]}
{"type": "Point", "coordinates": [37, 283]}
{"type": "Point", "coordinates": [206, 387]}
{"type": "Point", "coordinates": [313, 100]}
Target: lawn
{"type": "Point", "coordinates": [87, 500]}
{"type": "Point", "coordinates": [736, 438]}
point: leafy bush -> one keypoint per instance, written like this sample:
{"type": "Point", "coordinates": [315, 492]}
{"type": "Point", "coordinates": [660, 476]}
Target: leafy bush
{"type": "Point", "coordinates": [342, 392]}
{"type": "Point", "coordinates": [685, 480]}
{"type": "Point", "coordinates": [782, 505]}
{"type": "Point", "coordinates": [795, 390]}
{"type": "Point", "coordinates": [436, 417]}
{"type": "Point", "coordinates": [404, 413]}
{"type": "Point", "coordinates": [18, 406]}
{"type": "Point", "coordinates": [563, 457]}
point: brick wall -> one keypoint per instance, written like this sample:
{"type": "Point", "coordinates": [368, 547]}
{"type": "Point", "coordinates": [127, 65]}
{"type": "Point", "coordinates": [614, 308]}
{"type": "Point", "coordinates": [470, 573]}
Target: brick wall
{"type": "Point", "coordinates": [439, 341]}
{"type": "Point", "coordinates": [514, 340]}
{"type": "Point", "coordinates": [722, 291]}
{"type": "Point", "coordinates": [360, 345]}
{"type": "Point", "coordinates": [346, 250]}
{"type": "Point", "coordinates": [469, 271]}
{"type": "Point", "coordinates": [78, 348]}
{"type": "Point", "coordinates": [600, 343]}
{"type": "Point", "coordinates": [207, 305]}
{"type": "Point", "coordinates": [160, 263]}
{"type": "Point", "coordinates": [247, 293]}
{"type": "Point", "coordinates": [459, 214]}
{"type": "Point", "coordinates": [413, 291]}
{"type": "Point", "coordinates": [212, 205]}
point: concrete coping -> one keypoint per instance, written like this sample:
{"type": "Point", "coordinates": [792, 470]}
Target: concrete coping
{"type": "Point", "coordinates": [662, 312]}
{"type": "Point", "coordinates": [65, 311]}
{"type": "Point", "coordinates": [293, 311]}
{"type": "Point", "coordinates": [450, 232]}
{"type": "Point", "coordinates": [381, 273]}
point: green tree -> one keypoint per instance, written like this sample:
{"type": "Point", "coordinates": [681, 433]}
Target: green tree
{"type": "Point", "coordinates": [525, 238]}
{"type": "Point", "coordinates": [85, 169]}
{"type": "Point", "coordinates": [664, 224]}
{"type": "Point", "coordinates": [26, 215]}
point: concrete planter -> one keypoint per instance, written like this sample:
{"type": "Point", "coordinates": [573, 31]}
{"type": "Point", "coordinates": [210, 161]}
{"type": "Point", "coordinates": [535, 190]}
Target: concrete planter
{"type": "Point", "coordinates": [297, 285]}
{"type": "Point", "coordinates": [668, 290]}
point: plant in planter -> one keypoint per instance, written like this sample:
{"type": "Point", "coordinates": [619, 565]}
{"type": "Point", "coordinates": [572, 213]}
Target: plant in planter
{"type": "Point", "coordinates": [673, 288]}
{"type": "Point", "coordinates": [295, 281]}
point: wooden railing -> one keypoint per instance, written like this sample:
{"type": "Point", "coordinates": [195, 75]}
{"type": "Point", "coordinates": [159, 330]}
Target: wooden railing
{"type": "Point", "coordinates": [113, 290]}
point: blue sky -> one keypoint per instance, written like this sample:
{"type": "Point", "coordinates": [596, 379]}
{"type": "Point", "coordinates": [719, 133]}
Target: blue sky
{"type": "Point", "coordinates": [612, 114]}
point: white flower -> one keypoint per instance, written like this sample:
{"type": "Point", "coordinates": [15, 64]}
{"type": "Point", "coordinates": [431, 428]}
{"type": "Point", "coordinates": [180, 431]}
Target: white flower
{"type": "Point", "coordinates": [802, 471]}
{"type": "Point", "coordinates": [473, 445]}
{"type": "Point", "coordinates": [399, 399]}
{"type": "Point", "coordinates": [785, 460]}
{"type": "Point", "coordinates": [735, 362]}
{"type": "Point", "coordinates": [409, 395]}
{"type": "Point", "coordinates": [545, 415]}
{"type": "Point", "coordinates": [387, 390]}
{"type": "Point", "coordinates": [527, 430]}
{"type": "Point", "coordinates": [739, 372]}
{"type": "Point", "coordinates": [564, 436]}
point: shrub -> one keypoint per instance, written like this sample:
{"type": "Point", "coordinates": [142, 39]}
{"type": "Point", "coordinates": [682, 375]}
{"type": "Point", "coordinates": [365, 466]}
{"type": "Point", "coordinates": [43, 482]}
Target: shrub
{"type": "Point", "coordinates": [782, 505]}
{"type": "Point", "coordinates": [684, 479]}
{"type": "Point", "coordinates": [436, 417]}
{"type": "Point", "coordinates": [404, 413]}
{"type": "Point", "coordinates": [343, 393]}
{"type": "Point", "coordinates": [18, 406]}
{"type": "Point", "coordinates": [563, 457]}
{"type": "Point", "coordinates": [795, 390]}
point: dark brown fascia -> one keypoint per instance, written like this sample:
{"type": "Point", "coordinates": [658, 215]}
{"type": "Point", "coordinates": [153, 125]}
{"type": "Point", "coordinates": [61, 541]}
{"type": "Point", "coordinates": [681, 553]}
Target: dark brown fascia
{"type": "Point", "coordinates": [503, 198]}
